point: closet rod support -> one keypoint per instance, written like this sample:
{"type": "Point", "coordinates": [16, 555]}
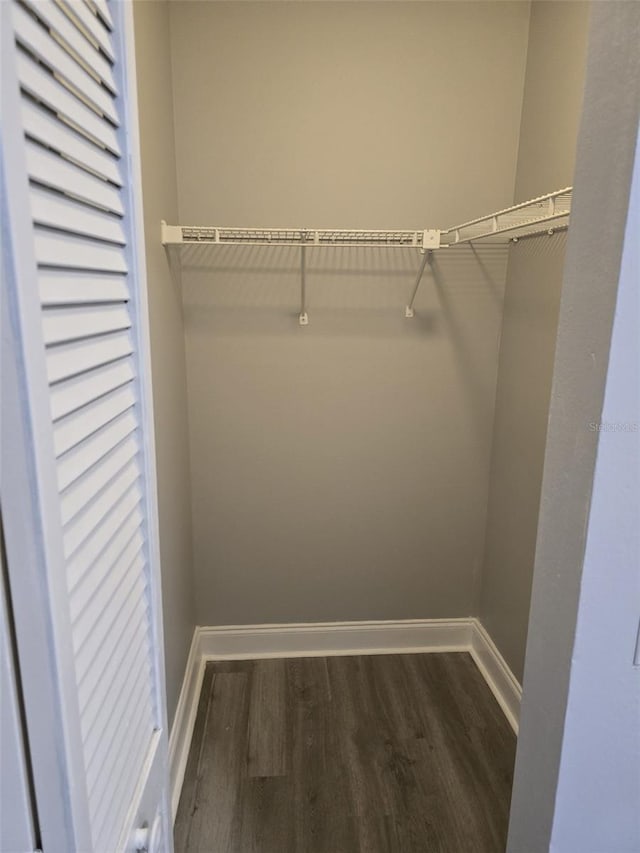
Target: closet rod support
{"type": "Point", "coordinates": [426, 258]}
{"type": "Point", "coordinates": [303, 317]}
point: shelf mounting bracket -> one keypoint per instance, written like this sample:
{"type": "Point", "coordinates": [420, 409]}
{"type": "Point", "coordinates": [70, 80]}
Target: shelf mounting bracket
{"type": "Point", "coordinates": [303, 317]}
{"type": "Point", "coordinates": [426, 258]}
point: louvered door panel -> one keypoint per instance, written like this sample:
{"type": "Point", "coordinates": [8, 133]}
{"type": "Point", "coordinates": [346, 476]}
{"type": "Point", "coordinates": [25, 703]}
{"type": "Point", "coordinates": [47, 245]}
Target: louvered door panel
{"type": "Point", "coordinates": [78, 200]}
{"type": "Point", "coordinates": [41, 85]}
{"type": "Point", "coordinates": [89, 24]}
{"type": "Point", "coordinates": [117, 583]}
{"type": "Point", "coordinates": [70, 431]}
{"type": "Point", "coordinates": [84, 387]}
{"type": "Point", "coordinates": [49, 169]}
{"type": "Point", "coordinates": [76, 496]}
{"type": "Point", "coordinates": [92, 580]}
{"type": "Point", "coordinates": [102, 10]}
{"type": "Point", "coordinates": [37, 40]}
{"type": "Point", "coordinates": [96, 551]}
{"type": "Point", "coordinates": [49, 131]}
{"type": "Point", "coordinates": [66, 34]}
{"type": "Point", "coordinates": [125, 655]}
{"type": "Point", "coordinates": [54, 210]}
{"type": "Point", "coordinates": [86, 651]}
{"type": "Point", "coordinates": [85, 455]}
{"type": "Point", "coordinates": [80, 530]}
{"type": "Point", "coordinates": [80, 356]}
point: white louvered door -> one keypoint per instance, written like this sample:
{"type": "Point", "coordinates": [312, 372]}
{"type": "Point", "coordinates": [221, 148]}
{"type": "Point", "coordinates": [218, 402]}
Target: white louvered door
{"type": "Point", "coordinates": [78, 479]}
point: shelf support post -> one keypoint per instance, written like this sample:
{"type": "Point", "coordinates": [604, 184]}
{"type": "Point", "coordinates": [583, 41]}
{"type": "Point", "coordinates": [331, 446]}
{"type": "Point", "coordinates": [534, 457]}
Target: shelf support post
{"type": "Point", "coordinates": [426, 258]}
{"type": "Point", "coordinates": [303, 317]}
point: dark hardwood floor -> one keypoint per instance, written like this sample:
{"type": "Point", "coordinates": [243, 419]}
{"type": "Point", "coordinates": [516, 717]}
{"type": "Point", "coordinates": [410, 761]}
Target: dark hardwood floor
{"type": "Point", "coordinates": [369, 754]}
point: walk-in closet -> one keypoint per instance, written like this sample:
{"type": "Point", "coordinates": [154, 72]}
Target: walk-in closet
{"type": "Point", "coordinates": [309, 314]}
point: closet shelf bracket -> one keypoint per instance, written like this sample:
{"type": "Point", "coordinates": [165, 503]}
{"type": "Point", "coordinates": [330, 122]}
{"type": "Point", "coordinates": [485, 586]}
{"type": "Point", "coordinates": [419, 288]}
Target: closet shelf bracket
{"type": "Point", "coordinates": [303, 317]}
{"type": "Point", "coordinates": [409, 310]}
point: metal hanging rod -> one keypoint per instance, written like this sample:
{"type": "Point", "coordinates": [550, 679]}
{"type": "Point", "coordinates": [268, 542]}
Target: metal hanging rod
{"type": "Point", "coordinates": [527, 219]}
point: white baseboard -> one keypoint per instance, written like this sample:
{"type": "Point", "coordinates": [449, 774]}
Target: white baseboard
{"type": "Point", "coordinates": [503, 683]}
{"type": "Point", "coordinates": [238, 642]}
{"type": "Point", "coordinates": [184, 720]}
{"type": "Point", "coordinates": [242, 642]}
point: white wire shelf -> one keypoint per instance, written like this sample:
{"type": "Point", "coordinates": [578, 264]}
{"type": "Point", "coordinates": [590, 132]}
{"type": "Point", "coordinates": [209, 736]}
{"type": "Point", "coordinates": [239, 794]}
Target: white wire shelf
{"type": "Point", "coordinates": [542, 215]}
{"type": "Point", "coordinates": [173, 235]}
{"type": "Point", "coordinates": [521, 220]}
{"type": "Point", "coordinates": [537, 216]}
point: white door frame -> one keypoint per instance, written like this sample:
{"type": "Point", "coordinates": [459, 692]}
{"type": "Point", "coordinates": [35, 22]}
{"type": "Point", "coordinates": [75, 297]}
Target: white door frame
{"type": "Point", "coordinates": [556, 658]}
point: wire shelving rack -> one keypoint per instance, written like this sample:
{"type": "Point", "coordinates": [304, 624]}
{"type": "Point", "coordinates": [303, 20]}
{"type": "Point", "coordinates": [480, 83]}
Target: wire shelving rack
{"type": "Point", "coordinates": [545, 214]}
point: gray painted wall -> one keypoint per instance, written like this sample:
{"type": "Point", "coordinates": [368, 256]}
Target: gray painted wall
{"type": "Point", "coordinates": [585, 568]}
{"type": "Point", "coordinates": [551, 110]}
{"type": "Point", "coordinates": [341, 471]}
{"type": "Point", "coordinates": [153, 59]}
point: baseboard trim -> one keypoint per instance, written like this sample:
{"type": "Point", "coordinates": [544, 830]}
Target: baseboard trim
{"type": "Point", "coordinates": [184, 720]}
{"type": "Point", "coordinates": [237, 642]}
{"type": "Point", "coordinates": [419, 636]}
{"type": "Point", "coordinates": [502, 682]}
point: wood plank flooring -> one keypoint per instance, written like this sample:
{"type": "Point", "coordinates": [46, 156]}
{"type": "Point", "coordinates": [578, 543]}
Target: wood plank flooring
{"type": "Point", "coordinates": [368, 754]}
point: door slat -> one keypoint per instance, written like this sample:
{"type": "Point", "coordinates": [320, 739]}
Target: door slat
{"type": "Point", "coordinates": [44, 87]}
{"type": "Point", "coordinates": [67, 34]}
{"type": "Point", "coordinates": [86, 454]}
{"type": "Point", "coordinates": [89, 25]}
{"type": "Point", "coordinates": [39, 42]}
{"type": "Point", "coordinates": [69, 287]}
{"type": "Point", "coordinates": [65, 214]}
{"type": "Point", "coordinates": [72, 394]}
{"type": "Point", "coordinates": [79, 493]}
{"type": "Point", "coordinates": [84, 525]}
{"type": "Point", "coordinates": [54, 171]}
{"type": "Point", "coordinates": [46, 128]}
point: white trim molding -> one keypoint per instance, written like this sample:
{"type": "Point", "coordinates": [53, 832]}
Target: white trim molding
{"type": "Point", "coordinates": [184, 720]}
{"type": "Point", "coordinates": [502, 682]}
{"type": "Point", "coordinates": [319, 639]}
{"type": "Point", "coordinates": [316, 639]}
